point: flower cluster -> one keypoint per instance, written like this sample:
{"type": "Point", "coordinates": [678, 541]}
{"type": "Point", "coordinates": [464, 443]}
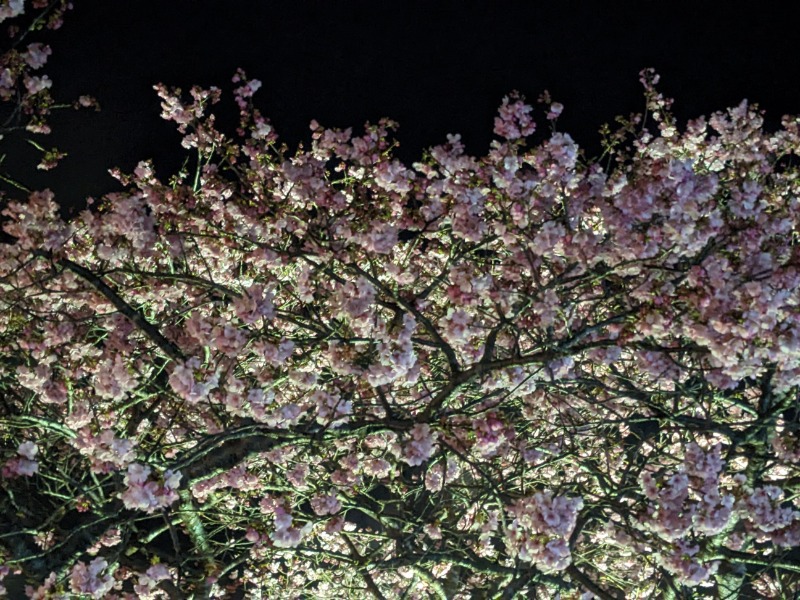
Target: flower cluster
{"type": "Point", "coordinates": [87, 579]}
{"type": "Point", "coordinates": [236, 478]}
{"type": "Point", "coordinates": [673, 513]}
{"type": "Point", "coordinates": [683, 561]}
{"type": "Point", "coordinates": [332, 410]}
{"type": "Point", "coordinates": [149, 580]}
{"type": "Point", "coordinates": [184, 382]}
{"type": "Point", "coordinates": [105, 450]}
{"type": "Point", "coordinates": [144, 494]}
{"type": "Point", "coordinates": [540, 529]}
{"type": "Point", "coordinates": [421, 445]}
{"type": "Point", "coordinates": [11, 9]}
{"type": "Point", "coordinates": [286, 534]}
{"type": "Point", "coordinates": [24, 464]}
{"type": "Point", "coordinates": [514, 120]}
{"type": "Point", "coordinates": [325, 504]}
{"type": "Point", "coordinates": [768, 516]}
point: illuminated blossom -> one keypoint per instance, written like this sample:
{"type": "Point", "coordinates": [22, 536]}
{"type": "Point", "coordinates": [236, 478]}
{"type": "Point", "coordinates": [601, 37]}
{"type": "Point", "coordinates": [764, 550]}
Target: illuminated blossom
{"type": "Point", "coordinates": [87, 579]}
{"type": "Point", "coordinates": [420, 446]}
{"type": "Point", "coordinates": [148, 495]}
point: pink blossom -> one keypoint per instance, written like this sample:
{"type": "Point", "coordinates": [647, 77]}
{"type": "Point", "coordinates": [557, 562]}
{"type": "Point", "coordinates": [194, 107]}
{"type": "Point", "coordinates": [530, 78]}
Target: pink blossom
{"type": "Point", "coordinates": [380, 239]}
{"type": "Point", "coordinates": [377, 467]}
{"type": "Point", "coordinates": [491, 435]}
{"type": "Point", "coordinates": [331, 408]}
{"type": "Point", "coordinates": [683, 562]}
{"type": "Point", "coordinates": [149, 580]}
{"type": "Point", "coordinates": [256, 303]}
{"type": "Point", "coordinates": [421, 445]}
{"type": "Point", "coordinates": [23, 465]}
{"type": "Point", "coordinates": [326, 504]}
{"type": "Point", "coordinates": [556, 108]}
{"type": "Point", "coordinates": [35, 84]}
{"type": "Point", "coordinates": [541, 525]}
{"type": "Point", "coordinates": [764, 510]}
{"type": "Point", "coordinates": [439, 475]}
{"type": "Point", "coordinates": [36, 55]}
{"type": "Point", "coordinates": [514, 120]}
{"type": "Point", "coordinates": [113, 378]}
{"type": "Point", "coordinates": [86, 579]}
{"type": "Point", "coordinates": [357, 298]}
{"type": "Point", "coordinates": [251, 535]}
{"type": "Point", "coordinates": [432, 531]}
{"type": "Point", "coordinates": [11, 9]}
{"type": "Point", "coordinates": [182, 380]}
{"type": "Point", "coordinates": [147, 495]}
{"type": "Point", "coordinates": [457, 324]}
{"type": "Point", "coordinates": [297, 476]}
{"type": "Point", "coordinates": [110, 538]}
{"type": "Point", "coordinates": [45, 540]}
{"type": "Point", "coordinates": [285, 534]}
{"type": "Point", "coordinates": [43, 591]}
{"type": "Point", "coordinates": [106, 451]}
{"type": "Point", "coordinates": [28, 450]}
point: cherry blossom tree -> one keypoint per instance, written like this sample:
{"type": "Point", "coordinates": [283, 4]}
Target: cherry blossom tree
{"type": "Point", "coordinates": [327, 374]}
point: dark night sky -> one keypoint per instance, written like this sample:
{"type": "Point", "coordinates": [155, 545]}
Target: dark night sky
{"type": "Point", "coordinates": [436, 67]}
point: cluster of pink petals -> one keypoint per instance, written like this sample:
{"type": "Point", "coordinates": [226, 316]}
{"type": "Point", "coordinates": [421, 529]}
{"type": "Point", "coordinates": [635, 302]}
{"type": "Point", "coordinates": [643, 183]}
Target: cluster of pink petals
{"type": "Point", "coordinates": [540, 529]}
{"type": "Point", "coordinates": [682, 560]}
{"type": "Point", "coordinates": [286, 534]}
{"type": "Point", "coordinates": [441, 474]}
{"type": "Point", "coordinates": [105, 450]}
{"type": "Point", "coordinates": [380, 238]}
{"type": "Point", "coordinates": [24, 464]}
{"type": "Point", "coordinates": [768, 516]}
{"type": "Point", "coordinates": [113, 378]}
{"type": "Point", "coordinates": [237, 478]}
{"type": "Point", "coordinates": [332, 409]}
{"type": "Point", "coordinates": [672, 513]}
{"type": "Point", "coordinates": [41, 379]}
{"type": "Point", "coordinates": [421, 444]}
{"type": "Point", "coordinates": [689, 505]}
{"type": "Point", "coordinates": [36, 222]}
{"type": "Point", "coordinates": [87, 579]}
{"type": "Point", "coordinates": [396, 358]}
{"type": "Point", "coordinates": [149, 580]}
{"type": "Point", "coordinates": [787, 446]}
{"type": "Point", "coordinates": [110, 538]}
{"type": "Point", "coordinates": [457, 327]}
{"type": "Point", "coordinates": [514, 120]}
{"type": "Point", "coordinates": [36, 55]}
{"type": "Point", "coordinates": [492, 435]}
{"type": "Point", "coordinates": [11, 8]}
{"type": "Point", "coordinates": [43, 592]}
{"type": "Point", "coordinates": [35, 84]}
{"type": "Point", "coordinates": [255, 304]}
{"type": "Point", "coordinates": [356, 300]}
{"type": "Point", "coordinates": [185, 384]}
{"type": "Point", "coordinates": [325, 504]}
{"type": "Point", "coordinates": [173, 109]}
{"type": "Point", "coordinates": [144, 494]}
{"type": "Point", "coordinates": [4, 572]}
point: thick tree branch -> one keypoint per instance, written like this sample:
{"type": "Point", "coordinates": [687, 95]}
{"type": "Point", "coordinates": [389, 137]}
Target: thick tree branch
{"type": "Point", "coordinates": [126, 309]}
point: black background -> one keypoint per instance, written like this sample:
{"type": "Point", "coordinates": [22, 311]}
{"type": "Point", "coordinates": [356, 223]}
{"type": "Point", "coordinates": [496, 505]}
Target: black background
{"type": "Point", "coordinates": [436, 67]}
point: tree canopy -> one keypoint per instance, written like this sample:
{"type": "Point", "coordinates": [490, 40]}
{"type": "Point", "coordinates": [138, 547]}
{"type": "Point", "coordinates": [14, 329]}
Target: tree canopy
{"type": "Point", "coordinates": [323, 373]}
